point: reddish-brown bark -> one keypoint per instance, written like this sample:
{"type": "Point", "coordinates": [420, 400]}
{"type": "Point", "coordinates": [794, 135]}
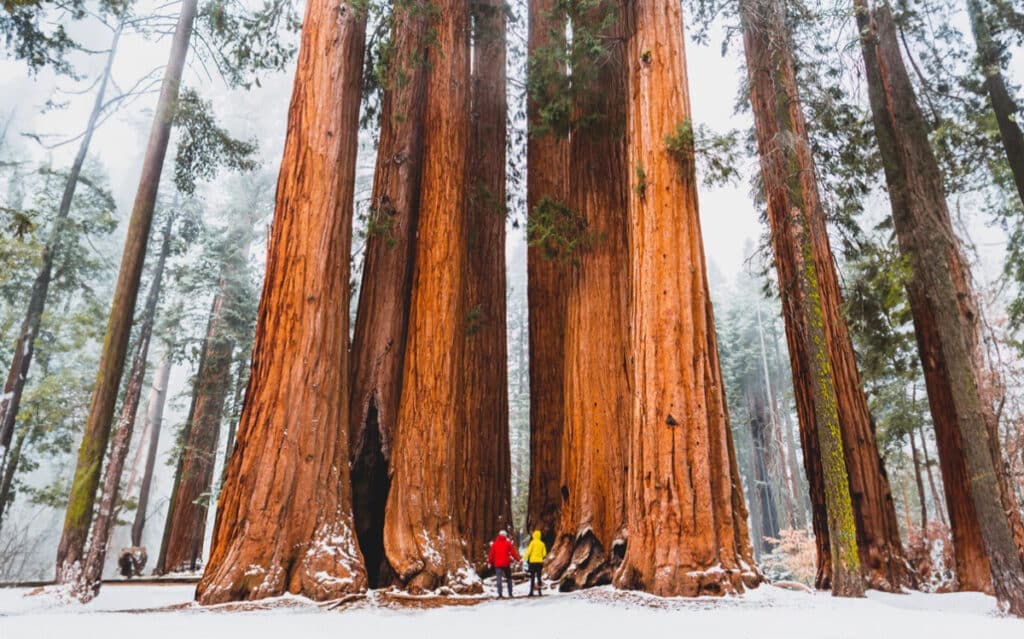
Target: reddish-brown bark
{"type": "Point", "coordinates": [185, 527]}
{"type": "Point", "coordinates": [284, 519]}
{"type": "Point", "coordinates": [682, 521]}
{"type": "Point", "coordinates": [487, 462]}
{"type": "Point", "coordinates": [795, 212]}
{"type": "Point", "coordinates": [592, 522]}
{"type": "Point", "coordinates": [983, 515]}
{"type": "Point", "coordinates": [115, 345]}
{"type": "Point", "coordinates": [423, 535]}
{"type": "Point", "coordinates": [546, 296]}
{"type": "Point", "coordinates": [378, 344]}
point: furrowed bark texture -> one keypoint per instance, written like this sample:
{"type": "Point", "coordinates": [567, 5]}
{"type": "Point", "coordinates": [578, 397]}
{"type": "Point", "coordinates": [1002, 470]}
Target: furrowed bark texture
{"type": "Point", "coordinates": [591, 540]}
{"type": "Point", "coordinates": [185, 527]}
{"type": "Point", "coordinates": [115, 345]}
{"type": "Point", "coordinates": [547, 285]}
{"type": "Point", "coordinates": [487, 460]}
{"type": "Point", "coordinates": [24, 347]}
{"type": "Point", "coordinates": [378, 345]}
{"type": "Point", "coordinates": [88, 584]}
{"type": "Point", "coordinates": [423, 535]}
{"type": "Point", "coordinates": [797, 220]}
{"type": "Point", "coordinates": [284, 521]}
{"type": "Point", "coordinates": [945, 322]}
{"type": "Point", "coordinates": [154, 420]}
{"type": "Point", "coordinates": [680, 501]}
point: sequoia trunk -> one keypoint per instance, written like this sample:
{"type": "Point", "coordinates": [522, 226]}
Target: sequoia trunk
{"type": "Point", "coordinates": [592, 523]}
{"type": "Point", "coordinates": [115, 344]}
{"type": "Point", "coordinates": [487, 458]}
{"type": "Point", "coordinates": [284, 521]}
{"type": "Point", "coordinates": [945, 322]}
{"type": "Point", "coordinates": [423, 535]}
{"type": "Point", "coordinates": [185, 527]}
{"type": "Point", "coordinates": [378, 344]}
{"type": "Point", "coordinates": [546, 296]}
{"type": "Point", "coordinates": [680, 504]}
{"type": "Point", "coordinates": [804, 262]}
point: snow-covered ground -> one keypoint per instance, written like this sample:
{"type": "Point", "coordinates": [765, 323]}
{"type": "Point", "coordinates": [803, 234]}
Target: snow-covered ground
{"type": "Point", "coordinates": [132, 611]}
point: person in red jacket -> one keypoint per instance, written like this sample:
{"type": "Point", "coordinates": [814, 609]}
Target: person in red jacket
{"type": "Point", "coordinates": [503, 553]}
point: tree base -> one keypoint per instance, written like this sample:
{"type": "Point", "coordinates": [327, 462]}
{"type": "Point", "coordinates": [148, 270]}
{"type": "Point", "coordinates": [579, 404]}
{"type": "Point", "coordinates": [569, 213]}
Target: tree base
{"type": "Point", "coordinates": [582, 562]}
{"type": "Point", "coordinates": [329, 569]}
{"type": "Point", "coordinates": [463, 582]}
{"type": "Point", "coordinates": [677, 581]}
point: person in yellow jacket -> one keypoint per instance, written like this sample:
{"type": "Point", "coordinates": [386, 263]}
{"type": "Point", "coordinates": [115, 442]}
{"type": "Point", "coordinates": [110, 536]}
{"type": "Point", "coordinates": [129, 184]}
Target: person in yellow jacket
{"type": "Point", "coordinates": [534, 556]}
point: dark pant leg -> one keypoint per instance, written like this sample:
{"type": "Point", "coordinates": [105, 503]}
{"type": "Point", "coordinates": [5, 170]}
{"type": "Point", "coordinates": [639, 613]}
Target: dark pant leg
{"type": "Point", "coordinates": [509, 573]}
{"type": "Point", "coordinates": [499, 574]}
{"type": "Point", "coordinates": [535, 569]}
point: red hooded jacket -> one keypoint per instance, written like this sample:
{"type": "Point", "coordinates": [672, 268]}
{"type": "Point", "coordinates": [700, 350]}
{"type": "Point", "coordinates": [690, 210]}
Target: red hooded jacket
{"type": "Point", "coordinates": [502, 553]}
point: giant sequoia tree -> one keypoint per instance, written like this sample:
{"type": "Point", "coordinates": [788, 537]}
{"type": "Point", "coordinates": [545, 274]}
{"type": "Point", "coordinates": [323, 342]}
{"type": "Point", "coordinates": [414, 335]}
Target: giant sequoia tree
{"type": "Point", "coordinates": [810, 294]}
{"type": "Point", "coordinates": [546, 284]}
{"type": "Point", "coordinates": [423, 527]}
{"type": "Point", "coordinates": [982, 512]}
{"type": "Point", "coordinates": [591, 537]}
{"type": "Point", "coordinates": [284, 522]}
{"type": "Point", "coordinates": [488, 462]}
{"type": "Point", "coordinates": [687, 522]}
{"type": "Point", "coordinates": [378, 343]}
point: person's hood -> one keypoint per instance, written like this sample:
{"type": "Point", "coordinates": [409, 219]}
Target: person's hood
{"type": "Point", "coordinates": [536, 535]}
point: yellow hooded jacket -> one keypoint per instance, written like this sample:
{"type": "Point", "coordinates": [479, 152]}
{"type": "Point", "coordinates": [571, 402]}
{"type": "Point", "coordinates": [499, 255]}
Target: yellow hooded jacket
{"type": "Point", "coordinates": [536, 551]}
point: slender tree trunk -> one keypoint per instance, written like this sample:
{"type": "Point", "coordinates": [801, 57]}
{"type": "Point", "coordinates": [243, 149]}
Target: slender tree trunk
{"type": "Point", "coordinates": [238, 398]}
{"type": "Point", "coordinates": [284, 521]}
{"type": "Point", "coordinates": [7, 478]}
{"type": "Point", "coordinates": [1002, 101]}
{"type": "Point", "coordinates": [937, 497]}
{"type": "Point", "coordinates": [591, 541]}
{"type": "Point", "coordinates": [944, 318]}
{"type": "Point", "coordinates": [919, 482]}
{"type": "Point", "coordinates": [812, 302]}
{"type": "Point", "coordinates": [760, 424]}
{"type": "Point", "coordinates": [88, 583]}
{"type": "Point", "coordinates": [423, 526]}
{"type": "Point", "coordinates": [487, 462]}
{"type": "Point", "coordinates": [24, 347]}
{"type": "Point", "coordinates": [547, 284]}
{"type": "Point", "coordinates": [775, 448]}
{"type": "Point", "coordinates": [680, 503]}
{"type": "Point", "coordinates": [378, 344]}
{"type": "Point", "coordinates": [191, 494]}
{"type": "Point", "coordinates": [115, 344]}
{"type": "Point", "coordinates": [154, 419]}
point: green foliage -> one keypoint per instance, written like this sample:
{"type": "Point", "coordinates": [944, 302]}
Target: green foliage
{"type": "Point", "coordinates": [244, 44]}
{"type": "Point", "coordinates": [204, 147]}
{"type": "Point", "coordinates": [57, 394]}
{"type": "Point", "coordinates": [561, 97]}
{"type": "Point", "coordinates": [34, 31]}
{"type": "Point", "coordinates": [680, 143]}
{"type": "Point", "coordinates": [560, 232]}
{"type": "Point", "coordinates": [641, 182]}
{"type": "Point", "coordinates": [381, 222]}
